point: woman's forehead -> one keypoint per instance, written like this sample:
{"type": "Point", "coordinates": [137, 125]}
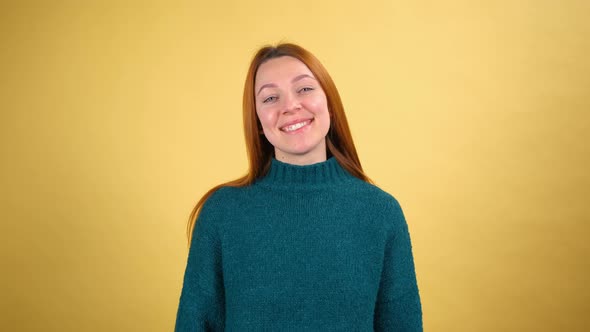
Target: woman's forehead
{"type": "Point", "coordinates": [284, 68]}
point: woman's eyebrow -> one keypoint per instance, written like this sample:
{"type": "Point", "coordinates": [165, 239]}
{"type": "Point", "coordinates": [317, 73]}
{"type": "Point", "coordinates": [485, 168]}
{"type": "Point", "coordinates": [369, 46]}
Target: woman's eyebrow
{"type": "Point", "coordinates": [297, 78]}
{"type": "Point", "coordinates": [302, 76]}
{"type": "Point", "coordinates": [268, 85]}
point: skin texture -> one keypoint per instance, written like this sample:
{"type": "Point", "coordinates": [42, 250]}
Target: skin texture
{"type": "Point", "coordinates": [287, 92]}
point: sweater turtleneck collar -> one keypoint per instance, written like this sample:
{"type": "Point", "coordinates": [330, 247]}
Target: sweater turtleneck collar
{"type": "Point", "coordinates": [322, 173]}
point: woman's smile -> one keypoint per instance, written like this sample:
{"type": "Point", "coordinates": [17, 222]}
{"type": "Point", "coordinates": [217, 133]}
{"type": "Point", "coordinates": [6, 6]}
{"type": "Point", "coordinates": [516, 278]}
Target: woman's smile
{"type": "Point", "coordinates": [297, 127]}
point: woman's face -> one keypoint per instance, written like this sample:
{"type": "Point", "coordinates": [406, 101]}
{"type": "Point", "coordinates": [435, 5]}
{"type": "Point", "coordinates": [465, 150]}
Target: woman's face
{"type": "Point", "coordinates": [293, 110]}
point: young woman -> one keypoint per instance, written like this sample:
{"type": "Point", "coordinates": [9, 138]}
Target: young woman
{"type": "Point", "coordinates": [304, 241]}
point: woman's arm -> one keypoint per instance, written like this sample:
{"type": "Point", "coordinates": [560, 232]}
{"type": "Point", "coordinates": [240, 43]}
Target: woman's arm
{"type": "Point", "coordinates": [398, 306]}
{"type": "Point", "coordinates": [202, 301]}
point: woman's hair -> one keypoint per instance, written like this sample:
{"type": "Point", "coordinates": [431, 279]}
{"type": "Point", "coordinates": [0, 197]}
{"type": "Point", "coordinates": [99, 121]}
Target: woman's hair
{"type": "Point", "coordinates": [339, 142]}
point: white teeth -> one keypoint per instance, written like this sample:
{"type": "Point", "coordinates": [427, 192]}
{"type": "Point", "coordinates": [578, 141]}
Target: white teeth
{"type": "Point", "coordinates": [296, 126]}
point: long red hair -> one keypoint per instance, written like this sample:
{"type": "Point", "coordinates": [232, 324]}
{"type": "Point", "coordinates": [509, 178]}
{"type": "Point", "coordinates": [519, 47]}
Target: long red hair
{"type": "Point", "coordinates": [339, 142]}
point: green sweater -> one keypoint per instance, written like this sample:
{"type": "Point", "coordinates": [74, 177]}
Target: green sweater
{"type": "Point", "coordinates": [305, 248]}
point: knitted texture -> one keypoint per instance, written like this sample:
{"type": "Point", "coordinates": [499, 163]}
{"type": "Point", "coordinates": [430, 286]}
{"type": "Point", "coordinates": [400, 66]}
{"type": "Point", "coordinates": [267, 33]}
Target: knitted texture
{"type": "Point", "coordinates": [305, 248]}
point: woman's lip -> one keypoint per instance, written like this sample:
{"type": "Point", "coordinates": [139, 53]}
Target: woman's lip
{"type": "Point", "coordinates": [298, 129]}
{"type": "Point", "coordinates": [294, 122]}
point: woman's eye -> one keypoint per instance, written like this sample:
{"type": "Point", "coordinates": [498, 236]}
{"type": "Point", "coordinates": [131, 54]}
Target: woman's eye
{"type": "Point", "coordinates": [269, 99]}
{"type": "Point", "coordinates": [306, 89]}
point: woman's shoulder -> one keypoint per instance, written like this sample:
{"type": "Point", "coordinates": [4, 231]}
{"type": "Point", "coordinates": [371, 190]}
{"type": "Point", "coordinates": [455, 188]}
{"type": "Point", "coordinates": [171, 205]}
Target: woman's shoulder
{"type": "Point", "coordinates": [373, 192]}
{"type": "Point", "coordinates": [223, 195]}
{"type": "Point", "coordinates": [379, 206]}
{"type": "Point", "coordinates": [217, 204]}
{"type": "Point", "coordinates": [227, 196]}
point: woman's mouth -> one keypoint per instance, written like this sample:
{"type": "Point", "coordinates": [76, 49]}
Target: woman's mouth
{"type": "Point", "coordinates": [296, 126]}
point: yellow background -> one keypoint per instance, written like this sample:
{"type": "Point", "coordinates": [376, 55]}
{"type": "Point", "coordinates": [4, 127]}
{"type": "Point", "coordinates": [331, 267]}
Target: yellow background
{"type": "Point", "coordinates": [116, 117]}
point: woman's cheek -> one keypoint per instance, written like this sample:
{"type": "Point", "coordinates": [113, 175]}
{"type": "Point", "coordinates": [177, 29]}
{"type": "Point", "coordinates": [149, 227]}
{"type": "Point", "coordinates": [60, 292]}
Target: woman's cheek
{"type": "Point", "coordinates": [268, 117]}
{"type": "Point", "coordinates": [316, 104]}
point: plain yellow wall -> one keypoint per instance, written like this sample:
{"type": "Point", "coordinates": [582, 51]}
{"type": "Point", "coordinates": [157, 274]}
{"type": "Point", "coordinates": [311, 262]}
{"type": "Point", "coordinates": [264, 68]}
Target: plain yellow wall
{"type": "Point", "coordinates": [116, 118]}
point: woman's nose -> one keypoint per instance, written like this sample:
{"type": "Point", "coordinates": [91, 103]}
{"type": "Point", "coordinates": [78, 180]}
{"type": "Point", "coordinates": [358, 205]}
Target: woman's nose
{"type": "Point", "coordinates": [291, 103]}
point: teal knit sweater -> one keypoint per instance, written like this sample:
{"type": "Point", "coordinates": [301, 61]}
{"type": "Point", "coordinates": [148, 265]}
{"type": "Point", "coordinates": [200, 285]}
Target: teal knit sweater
{"type": "Point", "coordinates": [305, 248]}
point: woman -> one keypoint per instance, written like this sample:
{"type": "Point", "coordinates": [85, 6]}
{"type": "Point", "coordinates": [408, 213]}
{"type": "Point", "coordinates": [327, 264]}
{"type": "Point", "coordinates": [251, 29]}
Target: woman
{"type": "Point", "coordinates": [304, 241]}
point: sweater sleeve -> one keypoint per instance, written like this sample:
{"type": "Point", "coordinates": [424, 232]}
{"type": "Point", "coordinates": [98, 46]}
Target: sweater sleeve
{"type": "Point", "coordinates": [398, 306]}
{"type": "Point", "coordinates": [202, 300]}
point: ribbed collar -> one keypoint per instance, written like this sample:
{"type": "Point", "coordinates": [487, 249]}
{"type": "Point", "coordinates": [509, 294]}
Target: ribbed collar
{"type": "Point", "coordinates": [323, 173]}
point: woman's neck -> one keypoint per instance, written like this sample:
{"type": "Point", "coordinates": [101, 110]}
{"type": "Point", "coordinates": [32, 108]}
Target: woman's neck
{"type": "Point", "coordinates": [312, 157]}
